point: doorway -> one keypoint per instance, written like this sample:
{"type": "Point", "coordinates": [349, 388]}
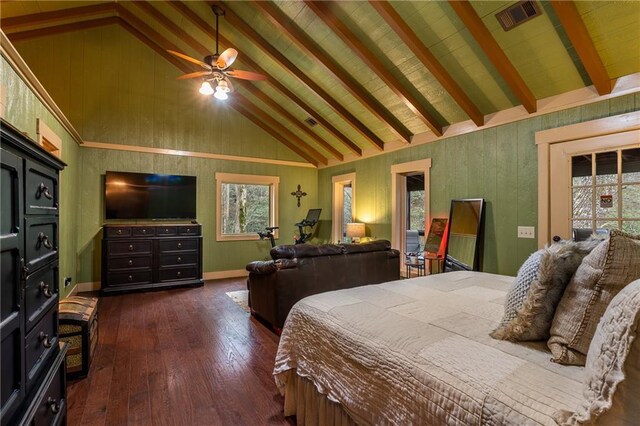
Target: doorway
{"type": "Point", "coordinates": [343, 205]}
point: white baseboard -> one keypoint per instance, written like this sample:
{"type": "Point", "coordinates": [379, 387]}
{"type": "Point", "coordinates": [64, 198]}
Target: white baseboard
{"type": "Point", "coordinates": [215, 275]}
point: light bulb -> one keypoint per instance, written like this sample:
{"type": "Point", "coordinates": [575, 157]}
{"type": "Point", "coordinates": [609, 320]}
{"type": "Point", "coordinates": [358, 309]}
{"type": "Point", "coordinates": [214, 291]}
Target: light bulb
{"type": "Point", "coordinates": [221, 94]}
{"type": "Point", "coordinates": [206, 88]}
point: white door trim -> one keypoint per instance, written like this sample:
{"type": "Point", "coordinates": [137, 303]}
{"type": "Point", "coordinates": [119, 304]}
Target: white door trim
{"type": "Point", "coordinates": [338, 182]}
{"type": "Point", "coordinates": [398, 197]}
{"type": "Point", "coordinates": [585, 135]}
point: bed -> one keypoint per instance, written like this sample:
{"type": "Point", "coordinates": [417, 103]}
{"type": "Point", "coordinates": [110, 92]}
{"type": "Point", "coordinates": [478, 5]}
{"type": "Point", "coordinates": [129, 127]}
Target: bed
{"type": "Point", "coordinates": [417, 351]}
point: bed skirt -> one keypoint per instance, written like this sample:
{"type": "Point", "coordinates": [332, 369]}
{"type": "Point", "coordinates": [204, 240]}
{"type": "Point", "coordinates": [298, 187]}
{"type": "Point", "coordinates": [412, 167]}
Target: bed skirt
{"type": "Point", "coordinates": [302, 399]}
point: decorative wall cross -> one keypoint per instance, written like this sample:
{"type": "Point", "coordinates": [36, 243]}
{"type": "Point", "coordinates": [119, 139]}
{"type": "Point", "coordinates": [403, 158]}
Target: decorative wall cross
{"type": "Point", "coordinates": [298, 194]}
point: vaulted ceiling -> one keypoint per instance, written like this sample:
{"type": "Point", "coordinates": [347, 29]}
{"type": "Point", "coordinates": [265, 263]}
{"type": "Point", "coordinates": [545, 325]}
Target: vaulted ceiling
{"type": "Point", "coordinates": [370, 73]}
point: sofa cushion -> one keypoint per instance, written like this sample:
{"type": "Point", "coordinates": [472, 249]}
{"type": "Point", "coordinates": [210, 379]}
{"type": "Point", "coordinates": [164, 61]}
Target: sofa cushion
{"type": "Point", "coordinates": [612, 374]}
{"type": "Point", "coordinates": [305, 250]}
{"type": "Point", "coordinates": [603, 273]}
{"type": "Point", "coordinates": [532, 301]}
{"type": "Point", "coordinates": [377, 245]}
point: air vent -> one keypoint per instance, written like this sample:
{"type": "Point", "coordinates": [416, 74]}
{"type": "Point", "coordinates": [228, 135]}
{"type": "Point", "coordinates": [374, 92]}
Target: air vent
{"type": "Point", "coordinates": [311, 122]}
{"type": "Point", "coordinates": [517, 14]}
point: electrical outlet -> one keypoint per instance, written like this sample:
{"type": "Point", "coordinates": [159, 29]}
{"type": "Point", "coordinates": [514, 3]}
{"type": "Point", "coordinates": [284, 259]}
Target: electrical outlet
{"type": "Point", "coordinates": [526, 232]}
{"type": "Point", "coordinates": [67, 281]}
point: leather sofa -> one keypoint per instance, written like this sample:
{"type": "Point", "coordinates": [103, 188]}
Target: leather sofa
{"type": "Point", "coordinates": [298, 271]}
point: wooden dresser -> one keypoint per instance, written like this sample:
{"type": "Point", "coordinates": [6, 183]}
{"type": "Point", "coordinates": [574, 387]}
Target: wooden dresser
{"type": "Point", "coordinates": [33, 385]}
{"type": "Point", "coordinates": [139, 257]}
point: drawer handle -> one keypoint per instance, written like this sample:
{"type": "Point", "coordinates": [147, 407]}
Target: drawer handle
{"type": "Point", "coordinates": [119, 231]}
{"type": "Point", "coordinates": [188, 230]}
{"type": "Point", "coordinates": [166, 230]}
{"type": "Point", "coordinates": [44, 338]}
{"type": "Point", "coordinates": [54, 405]}
{"type": "Point", "coordinates": [44, 288]}
{"type": "Point", "coordinates": [130, 262]}
{"type": "Point", "coordinates": [179, 274]}
{"type": "Point", "coordinates": [179, 259]}
{"type": "Point", "coordinates": [43, 190]}
{"type": "Point", "coordinates": [130, 277]}
{"type": "Point", "coordinates": [179, 245]}
{"type": "Point", "coordinates": [44, 240]}
{"type": "Point", "coordinates": [130, 247]}
{"type": "Point", "coordinates": [144, 231]}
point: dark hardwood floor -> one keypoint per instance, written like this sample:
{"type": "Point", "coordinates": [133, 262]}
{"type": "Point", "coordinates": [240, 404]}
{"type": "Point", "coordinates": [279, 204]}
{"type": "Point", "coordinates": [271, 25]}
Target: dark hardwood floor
{"type": "Point", "coordinates": [179, 357]}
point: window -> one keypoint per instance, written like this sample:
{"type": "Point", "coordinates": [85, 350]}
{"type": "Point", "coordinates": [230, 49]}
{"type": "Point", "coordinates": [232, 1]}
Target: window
{"type": "Point", "coordinates": [343, 212]}
{"type": "Point", "coordinates": [245, 204]}
{"type": "Point", "coordinates": [605, 189]}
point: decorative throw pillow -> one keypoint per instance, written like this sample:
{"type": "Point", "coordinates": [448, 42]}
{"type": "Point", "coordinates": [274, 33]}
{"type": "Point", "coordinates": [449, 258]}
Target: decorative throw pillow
{"type": "Point", "coordinates": [603, 273]}
{"type": "Point", "coordinates": [612, 374]}
{"type": "Point", "coordinates": [532, 301]}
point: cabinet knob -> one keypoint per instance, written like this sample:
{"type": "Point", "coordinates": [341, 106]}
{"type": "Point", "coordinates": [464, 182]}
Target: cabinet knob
{"type": "Point", "coordinates": [179, 259]}
{"type": "Point", "coordinates": [130, 247]}
{"type": "Point", "coordinates": [179, 274]}
{"type": "Point", "coordinates": [130, 262]}
{"type": "Point", "coordinates": [166, 230]}
{"type": "Point", "coordinates": [44, 190]}
{"type": "Point", "coordinates": [179, 245]}
{"type": "Point", "coordinates": [130, 277]}
{"type": "Point", "coordinates": [44, 338]}
{"type": "Point", "coordinates": [54, 405]}
{"type": "Point", "coordinates": [44, 289]}
{"type": "Point", "coordinates": [119, 231]}
{"type": "Point", "coordinates": [188, 229]}
{"type": "Point", "coordinates": [144, 231]}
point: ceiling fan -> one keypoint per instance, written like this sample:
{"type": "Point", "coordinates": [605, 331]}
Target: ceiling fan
{"type": "Point", "coordinates": [216, 67]}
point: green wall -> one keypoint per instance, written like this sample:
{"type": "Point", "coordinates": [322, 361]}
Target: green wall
{"type": "Point", "coordinates": [23, 108]}
{"type": "Point", "coordinates": [498, 164]}
{"type": "Point", "coordinates": [114, 89]}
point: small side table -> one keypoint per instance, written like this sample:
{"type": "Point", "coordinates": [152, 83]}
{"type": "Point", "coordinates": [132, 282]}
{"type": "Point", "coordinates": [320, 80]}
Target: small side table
{"type": "Point", "coordinates": [431, 258]}
{"type": "Point", "coordinates": [419, 266]}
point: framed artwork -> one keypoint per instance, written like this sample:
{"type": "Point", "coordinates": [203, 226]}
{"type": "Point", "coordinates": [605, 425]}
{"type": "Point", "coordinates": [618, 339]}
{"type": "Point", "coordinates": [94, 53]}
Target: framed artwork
{"type": "Point", "coordinates": [436, 233]}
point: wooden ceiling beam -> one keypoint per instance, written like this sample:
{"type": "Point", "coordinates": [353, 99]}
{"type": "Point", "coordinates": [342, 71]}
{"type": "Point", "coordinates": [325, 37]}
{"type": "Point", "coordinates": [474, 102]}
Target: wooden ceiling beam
{"type": "Point", "coordinates": [63, 28]}
{"type": "Point", "coordinates": [422, 52]}
{"type": "Point", "coordinates": [298, 74]}
{"type": "Point", "coordinates": [203, 26]}
{"type": "Point", "coordinates": [313, 50]}
{"type": "Point", "coordinates": [581, 40]}
{"type": "Point", "coordinates": [238, 106]}
{"type": "Point", "coordinates": [202, 50]}
{"type": "Point", "coordinates": [496, 55]}
{"type": "Point", "coordinates": [153, 12]}
{"type": "Point", "coordinates": [325, 11]}
{"type": "Point", "coordinates": [292, 140]}
{"type": "Point", "coordinates": [15, 23]}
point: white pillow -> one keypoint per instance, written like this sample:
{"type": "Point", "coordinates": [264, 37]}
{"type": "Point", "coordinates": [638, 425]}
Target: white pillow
{"type": "Point", "coordinates": [612, 374]}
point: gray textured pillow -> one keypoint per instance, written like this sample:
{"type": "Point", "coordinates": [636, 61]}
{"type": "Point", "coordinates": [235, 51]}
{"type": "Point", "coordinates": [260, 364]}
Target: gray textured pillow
{"type": "Point", "coordinates": [603, 273]}
{"type": "Point", "coordinates": [532, 301]}
{"type": "Point", "coordinates": [612, 375]}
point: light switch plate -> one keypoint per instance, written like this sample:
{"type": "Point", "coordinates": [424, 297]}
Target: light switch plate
{"type": "Point", "coordinates": [526, 232]}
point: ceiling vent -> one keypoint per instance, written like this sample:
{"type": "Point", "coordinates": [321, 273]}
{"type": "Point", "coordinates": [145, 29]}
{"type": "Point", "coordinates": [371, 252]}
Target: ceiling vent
{"type": "Point", "coordinates": [311, 122]}
{"type": "Point", "coordinates": [517, 14]}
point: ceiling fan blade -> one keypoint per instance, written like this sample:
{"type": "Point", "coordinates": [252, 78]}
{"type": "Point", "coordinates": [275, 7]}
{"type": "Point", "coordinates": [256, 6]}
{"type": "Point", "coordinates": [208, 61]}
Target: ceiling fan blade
{"type": "Point", "coordinates": [226, 58]}
{"type": "Point", "coordinates": [245, 75]}
{"type": "Point", "coordinates": [194, 75]}
{"type": "Point", "coordinates": [190, 59]}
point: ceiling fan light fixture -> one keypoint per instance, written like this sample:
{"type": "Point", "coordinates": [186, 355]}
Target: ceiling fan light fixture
{"type": "Point", "coordinates": [220, 94]}
{"type": "Point", "coordinates": [206, 88]}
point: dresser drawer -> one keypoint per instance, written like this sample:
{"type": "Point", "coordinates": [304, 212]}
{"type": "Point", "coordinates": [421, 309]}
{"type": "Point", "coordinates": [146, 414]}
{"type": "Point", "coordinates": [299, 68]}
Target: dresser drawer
{"type": "Point", "coordinates": [188, 230]}
{"type": "Point", "coordinates": [131, 246]}
{"type": "Point", "coordinates": [118, 231]}
{"type": "Point", "coordinates": [40, 343]}
{"type": "Point", "coordinates": [41, 241]}
{"type": "Point", "coordinates": [143, 231]}
{"type": "Point", "coordinates": [41, 189]}
{"type": "Point", "coordinates": [178, 244]}
{"type": "Point", "coordinates": [167, 230]}
{"type": "Point", "coordinates": [51, 410]}
{"type": "Point", "coordinates": [129, 262]}
{"type": "Point", "coordinates": [177, 259]}
{"type": "Point", "coordinates": [129, 277]}
{"type": "Point", "coordinates": [175, 274]}
{"type": "Point", "coordinates": [41, 293]}
{"type": "Point", "coordinates": [12, 389]}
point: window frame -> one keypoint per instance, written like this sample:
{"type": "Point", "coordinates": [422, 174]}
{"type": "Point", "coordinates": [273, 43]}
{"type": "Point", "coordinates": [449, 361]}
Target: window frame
{"type": "Point", "coordinates": [338, 183]}
{"type": "Point", "coordinates": [234, 178]}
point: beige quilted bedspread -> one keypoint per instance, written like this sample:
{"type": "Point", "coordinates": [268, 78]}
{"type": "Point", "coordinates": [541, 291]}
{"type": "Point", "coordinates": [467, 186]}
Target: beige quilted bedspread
{"type": "Point", "coordinates": [418, 352]}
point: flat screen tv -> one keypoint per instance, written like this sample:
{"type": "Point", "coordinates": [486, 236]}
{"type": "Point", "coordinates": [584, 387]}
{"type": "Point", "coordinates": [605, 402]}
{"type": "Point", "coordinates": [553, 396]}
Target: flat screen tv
{"type": "Point", "coordinates": [149, 196]}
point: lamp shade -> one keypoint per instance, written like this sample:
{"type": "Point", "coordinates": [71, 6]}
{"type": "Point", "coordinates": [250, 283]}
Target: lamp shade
{"type": "Point", "coordinates": [355, 230]}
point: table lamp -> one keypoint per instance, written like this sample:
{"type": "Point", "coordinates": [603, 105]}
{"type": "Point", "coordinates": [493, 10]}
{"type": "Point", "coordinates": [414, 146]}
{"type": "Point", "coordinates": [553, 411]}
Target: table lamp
{"type": "Point", "coordinates": [355, 231]}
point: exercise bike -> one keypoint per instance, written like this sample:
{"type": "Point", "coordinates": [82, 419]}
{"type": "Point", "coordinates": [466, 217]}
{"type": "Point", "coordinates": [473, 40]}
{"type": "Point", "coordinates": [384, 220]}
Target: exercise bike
{"type": "Point", "coordinates": [306, 224]}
